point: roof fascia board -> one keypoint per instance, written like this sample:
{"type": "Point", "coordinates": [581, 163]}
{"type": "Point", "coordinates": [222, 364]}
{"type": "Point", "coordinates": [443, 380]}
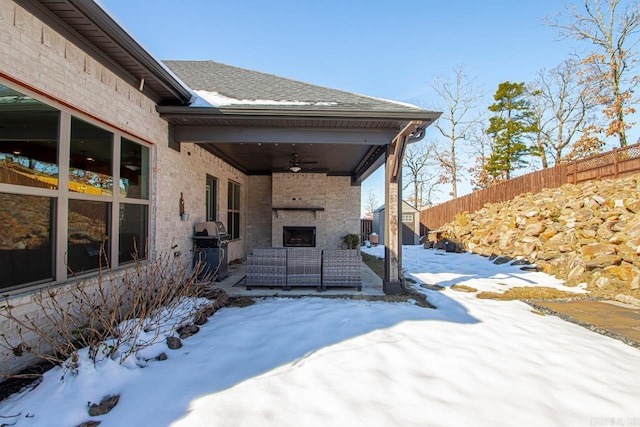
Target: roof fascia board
{"type": "Point", "coordinates": [58, 25]}
{"type": "Point", "coordinates": [119, 35]}
{"type": "Point", "coordinates": [265, 135]}
{"type": "Point", "coordinates": [110, 27]}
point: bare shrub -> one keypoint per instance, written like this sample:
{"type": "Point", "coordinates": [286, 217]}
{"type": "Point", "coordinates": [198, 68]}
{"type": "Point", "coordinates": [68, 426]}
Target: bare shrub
{"type": "Point", "coordinates": [113, 315]}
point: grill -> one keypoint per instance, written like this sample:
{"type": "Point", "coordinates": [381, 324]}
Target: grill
{"type": "Point", "coordinates": [210, 241]}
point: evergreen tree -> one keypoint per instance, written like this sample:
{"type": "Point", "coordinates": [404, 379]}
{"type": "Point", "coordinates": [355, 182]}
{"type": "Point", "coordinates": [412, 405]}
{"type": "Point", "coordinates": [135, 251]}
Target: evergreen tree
{"type": "Point", "coordinates": [508, 128]}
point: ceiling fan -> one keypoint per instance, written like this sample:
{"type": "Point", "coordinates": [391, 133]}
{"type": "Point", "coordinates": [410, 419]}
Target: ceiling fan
{"type": "Point", "coordinates": [132, 162]}
{"type": "Point", "coordinates": [295, 164]}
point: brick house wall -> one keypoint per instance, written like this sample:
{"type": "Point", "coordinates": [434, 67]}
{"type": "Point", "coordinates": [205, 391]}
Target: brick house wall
{"type": "Point", "coordinates": [34, 57]}
{"type": "Point", "coordinates": [259, 212]}
{"type": "Point", "coordinates": [186, 171]}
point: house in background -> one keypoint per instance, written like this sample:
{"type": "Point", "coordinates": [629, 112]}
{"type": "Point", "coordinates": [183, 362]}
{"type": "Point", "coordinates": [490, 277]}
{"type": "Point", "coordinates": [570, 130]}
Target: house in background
{"type": "Point", "coordinates": [101, 146]}
{"type": "Point", "coordinates": [410, 218]}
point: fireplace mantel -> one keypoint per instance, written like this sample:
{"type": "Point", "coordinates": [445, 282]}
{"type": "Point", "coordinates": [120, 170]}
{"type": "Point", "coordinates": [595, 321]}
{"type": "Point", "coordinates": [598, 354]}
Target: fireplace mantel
{"type": "Point", "coordinates": [314, 210]}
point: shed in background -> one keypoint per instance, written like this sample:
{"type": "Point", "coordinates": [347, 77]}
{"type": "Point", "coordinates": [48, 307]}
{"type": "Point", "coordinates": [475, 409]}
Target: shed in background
{"type": "Point", "coordinates": [410, 224]}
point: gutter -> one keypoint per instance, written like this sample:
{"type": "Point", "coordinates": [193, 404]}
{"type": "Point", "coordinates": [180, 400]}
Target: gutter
{"type": "Point", "coordinates": [228, 113]}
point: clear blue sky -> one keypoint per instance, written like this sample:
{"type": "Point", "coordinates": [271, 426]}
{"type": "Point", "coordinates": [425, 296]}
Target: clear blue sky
{"type": "Point", "coordinates": [383, 48]}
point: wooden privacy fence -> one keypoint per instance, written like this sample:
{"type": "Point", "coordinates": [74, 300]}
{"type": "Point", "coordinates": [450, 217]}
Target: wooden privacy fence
{"type": "Point", "coordinates": [612, 164]}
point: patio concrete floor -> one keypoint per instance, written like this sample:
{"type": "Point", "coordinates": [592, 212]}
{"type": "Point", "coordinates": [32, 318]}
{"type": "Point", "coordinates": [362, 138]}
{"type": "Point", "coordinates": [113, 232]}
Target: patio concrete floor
{"type": "Point", "coordinates": [235, 286]}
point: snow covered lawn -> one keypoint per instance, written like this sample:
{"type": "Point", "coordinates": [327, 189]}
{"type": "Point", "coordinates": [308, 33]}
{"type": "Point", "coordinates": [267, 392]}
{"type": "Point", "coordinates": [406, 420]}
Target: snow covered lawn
{"type": "Point", "coordinates": [329, 362]}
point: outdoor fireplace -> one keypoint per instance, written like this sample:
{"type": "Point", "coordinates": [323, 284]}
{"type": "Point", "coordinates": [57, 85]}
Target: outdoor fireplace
{"type": "Point", "coordinates": [299, 237]}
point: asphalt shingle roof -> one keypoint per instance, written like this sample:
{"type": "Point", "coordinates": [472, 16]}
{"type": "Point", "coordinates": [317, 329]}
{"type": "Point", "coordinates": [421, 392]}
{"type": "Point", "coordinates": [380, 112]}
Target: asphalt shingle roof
{"type": "Point", "coordinates": [243, 84]}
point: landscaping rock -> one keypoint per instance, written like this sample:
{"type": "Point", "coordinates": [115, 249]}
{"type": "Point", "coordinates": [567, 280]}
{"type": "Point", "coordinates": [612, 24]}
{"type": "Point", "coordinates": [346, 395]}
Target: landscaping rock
{"type": "Point", "coordinates": [161, 357]}
{"type": "Point", "coordinates": [187, 331]}
{"type": "Point", "coordinates": [502, 260]}
{"type": "Point", "coordinates": [219, 297]}
{"type": "Point", "coordinates": [628, 300]}
{"type": "Point", "coordinates": [200, 319]}
{"type": "Point", "coordinates": [598, 249]}
{"type": "Point", "coordinates": [106, 405]}
{"type": "Point", "coordinates": [174, 343]}
{"type": "Point", "coordinates": [602, 261]}
{"type": "Point", "coordinates": [463, 288]}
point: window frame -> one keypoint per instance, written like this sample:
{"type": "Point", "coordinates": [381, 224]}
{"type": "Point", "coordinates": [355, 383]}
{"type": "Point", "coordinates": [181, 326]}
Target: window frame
{"type": "Point", "coordinates": [61, 195]}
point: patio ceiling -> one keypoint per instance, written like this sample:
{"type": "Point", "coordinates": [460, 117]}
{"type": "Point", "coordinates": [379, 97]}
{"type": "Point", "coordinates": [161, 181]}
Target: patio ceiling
{"type": "Point", "coordinates": [260, 143]}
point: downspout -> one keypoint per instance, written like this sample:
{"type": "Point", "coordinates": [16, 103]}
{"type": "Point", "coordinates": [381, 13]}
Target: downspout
{"type": "Point", "coordinates": [418, 135]}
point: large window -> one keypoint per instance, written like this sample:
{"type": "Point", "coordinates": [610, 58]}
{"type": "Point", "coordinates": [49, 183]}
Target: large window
{"type": "Point", "coordinates": [74, 194]}
{"type": "Point", "coordinates": [88, 243]}
{"type": "Point", "coordinates": [233, 210]}
{"type": "Point", "coordinates": [26, 252]}
{"type": "Point", "coordinates": [91, 159]}
{"type": "Point", "coordinates": [28, 141]}
{"type": "Point", "coordinates": [134, 170]}
{"type": "Point", "coordinates": [133, 232]}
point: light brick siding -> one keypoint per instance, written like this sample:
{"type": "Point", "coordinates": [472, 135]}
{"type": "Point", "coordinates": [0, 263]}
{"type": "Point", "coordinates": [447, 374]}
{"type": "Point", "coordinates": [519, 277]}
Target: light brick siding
{"type": "Point", "coordinates": [33, 53]}
{"type": "Point", "coordinates": [259, 211]}
{"type": "Point", "coordinates": [40, 58]}
{"type": "Point", "coordinates": [186, 171]}
{"type": "Point", "coordinates": [335, 194]}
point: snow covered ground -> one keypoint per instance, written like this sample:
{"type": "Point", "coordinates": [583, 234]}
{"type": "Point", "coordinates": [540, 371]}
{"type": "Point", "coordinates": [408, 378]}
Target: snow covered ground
{"type": "Point", "coordinates": [333, 362]}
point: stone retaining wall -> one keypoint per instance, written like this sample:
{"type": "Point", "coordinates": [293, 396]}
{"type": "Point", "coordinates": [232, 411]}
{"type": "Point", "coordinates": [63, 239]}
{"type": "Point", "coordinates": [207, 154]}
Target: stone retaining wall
{"type": "Point", "coordinates": [586, 233]}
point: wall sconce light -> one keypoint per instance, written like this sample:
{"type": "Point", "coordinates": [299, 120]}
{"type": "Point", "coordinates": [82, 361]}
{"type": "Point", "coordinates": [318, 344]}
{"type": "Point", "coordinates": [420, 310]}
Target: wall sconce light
{"type": "Point", "coordinates": [183, 216]}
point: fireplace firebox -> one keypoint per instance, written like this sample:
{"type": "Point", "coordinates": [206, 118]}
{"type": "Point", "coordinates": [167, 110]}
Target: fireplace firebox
{"type": "Point", "coordinates": [304, 237]}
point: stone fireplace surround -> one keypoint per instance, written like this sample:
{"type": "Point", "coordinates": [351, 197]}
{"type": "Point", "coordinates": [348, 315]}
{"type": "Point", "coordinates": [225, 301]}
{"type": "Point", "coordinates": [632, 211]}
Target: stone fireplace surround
{"type": "Point", "coordinates": [330, 204]}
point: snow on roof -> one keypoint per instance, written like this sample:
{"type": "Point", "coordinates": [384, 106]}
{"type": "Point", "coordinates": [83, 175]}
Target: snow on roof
{"type": "Point", "coordinates": [404, 104]}
{"type": "Point", "coordinates": [218, 100]}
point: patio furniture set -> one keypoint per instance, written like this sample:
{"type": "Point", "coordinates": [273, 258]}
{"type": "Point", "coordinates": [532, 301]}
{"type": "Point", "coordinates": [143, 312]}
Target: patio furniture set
{"type": "Point", "coordinates": [289, 267]}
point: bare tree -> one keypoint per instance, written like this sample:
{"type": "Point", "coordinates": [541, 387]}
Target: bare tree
{"type": "Point", "coordinates": [459, 98]}
{"type": "Point", "coordinates": [606, 74]}
{"type": "Point", "coordinates": [482, 147]}
{"type": "Point", "coordinates": [421, 174]}
{"type": "Point", "coordinates": [371, 204]}
{"type": "Point", "coordinates": [539, 136]}
{"type": "Point", "coordinates": [563, 110]}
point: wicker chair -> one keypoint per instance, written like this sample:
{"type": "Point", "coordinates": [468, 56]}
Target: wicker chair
{"type": "Point", "coordinates": [304, 267]}
{"type": "Point", "coordinates": [341, 267]}
{"type": "Point", "coordinates": [267, 267]}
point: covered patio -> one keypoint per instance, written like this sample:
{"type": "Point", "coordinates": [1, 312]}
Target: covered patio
{"type": "Point", "coordinates": [305, 150]}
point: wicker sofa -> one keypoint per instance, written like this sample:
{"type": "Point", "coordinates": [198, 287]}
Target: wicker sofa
{"type": "Point", "coordinates": [341, 268]}
{"type": "Point", "coordinates": [267, 267]}
{"type": "Point", "coordinates": [290, 267]}
{"type": "Point", "coordinates": [304, 267]}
